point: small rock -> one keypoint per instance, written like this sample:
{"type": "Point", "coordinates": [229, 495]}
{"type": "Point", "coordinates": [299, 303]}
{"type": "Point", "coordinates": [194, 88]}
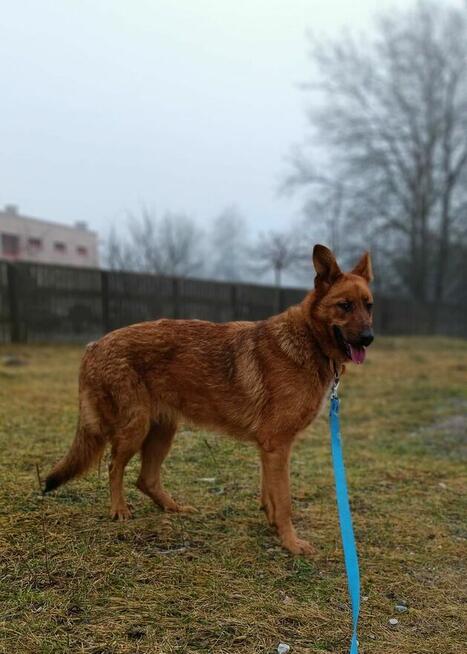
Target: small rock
{"type": "Point", "coordinates": [217, 490]}
{"type": "Point", "coordinates": [401, 608]}
{"type": "Point", "coordinates": [283, 648]}
{"type": "Point", "coordinates": [365, 598]}
{"type": "Point", "coordinates": [13, 360]}
{"type": "Point", "coordinates": [393, 622]}
{"type": "Point", "coordinates": [442, 485]}
{"type": "Point", "coordinates": [136, 633]}
{"type": "Point", "coordinates": [207, 480]}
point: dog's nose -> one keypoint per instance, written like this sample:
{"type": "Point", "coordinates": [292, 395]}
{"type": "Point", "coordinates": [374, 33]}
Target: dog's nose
{"type": "Point", "coordinates": [366, 337]}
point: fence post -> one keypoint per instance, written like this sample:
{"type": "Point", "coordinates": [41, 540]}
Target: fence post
{"type": "Point", "coordinates": [281, 301]}
{"type": "Point", "coordinates": [176, 297]}
{"type": "Point", "coordinates": [234, 302]}
{"type": "Point", "coordinates": [12, 282]}
{"type": "Point", "coordinates": [105, 301]}
{"type": "Point", "coordinates": [276, 308]}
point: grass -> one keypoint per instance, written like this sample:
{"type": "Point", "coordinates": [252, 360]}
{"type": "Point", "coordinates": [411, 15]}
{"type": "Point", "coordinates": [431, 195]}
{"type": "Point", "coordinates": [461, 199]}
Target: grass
{"type": "Point", "coordinates": [216, 581]}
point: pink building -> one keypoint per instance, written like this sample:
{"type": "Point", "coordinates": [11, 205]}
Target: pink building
{"type": "Point", "coordinates": [23, 238]}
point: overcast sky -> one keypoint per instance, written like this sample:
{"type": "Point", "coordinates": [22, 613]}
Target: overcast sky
{"type": "Point", "coordinates": [185, 105]}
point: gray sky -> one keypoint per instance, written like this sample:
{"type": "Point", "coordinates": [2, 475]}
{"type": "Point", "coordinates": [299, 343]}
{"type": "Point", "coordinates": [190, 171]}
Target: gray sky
{"type": "Point", "coordinates": [179, 104]}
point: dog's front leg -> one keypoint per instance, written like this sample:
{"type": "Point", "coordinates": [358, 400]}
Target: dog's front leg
{"type": "Point", "coordinates": [275, 496]}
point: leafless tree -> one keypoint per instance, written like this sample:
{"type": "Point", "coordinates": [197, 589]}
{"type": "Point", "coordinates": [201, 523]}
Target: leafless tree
{"type": "Point", "coordinates": [180, 245]}
{"type": "Point", "coordinates": [116, 253]}
{"type": "Point", "coordinates": [389, 142]}
{"type": "Point", "coordinates": [278, 252]}
{"type": "Point", "coordinates": [228, 239]}
{"type": "Point", "coordinates": [143, 241]}
{"type": "Point", "coordinates": [169, 246]}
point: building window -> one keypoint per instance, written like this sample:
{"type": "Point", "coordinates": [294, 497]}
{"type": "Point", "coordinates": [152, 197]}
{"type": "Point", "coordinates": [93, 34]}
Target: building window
{"type": "Point", "coordinates": [82, 251]}
{"type": "Point", "coordinates": [10, 245]}
{"type": "Point", "coordinates": [35, 244]}
{"type": "Point", "coordinates": [60, 247]}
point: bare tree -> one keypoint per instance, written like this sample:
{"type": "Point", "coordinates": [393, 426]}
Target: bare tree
{"type": "Point", "coordinates": [324, 216]}
{"type": "Point", "coordinates": [143, 241]}
{"type": "Point", "coordinates": [228, 245]}
{"type": "Point", "coordinates": [169, 246]}
{"type": "Point", "coordinates": [278, 252]}
{"type": "Point", "coordinates": [390, 134]}
{"type": "Point", "coordinates": [116, 254]}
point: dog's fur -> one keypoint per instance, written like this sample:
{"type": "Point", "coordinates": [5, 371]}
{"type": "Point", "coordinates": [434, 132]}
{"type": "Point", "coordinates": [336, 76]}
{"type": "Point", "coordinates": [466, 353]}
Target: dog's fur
{"type": "Point", "coordinates": [257, 381]}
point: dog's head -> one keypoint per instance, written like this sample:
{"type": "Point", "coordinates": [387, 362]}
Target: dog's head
{"type": "Point", "coordinates": [344, 303]}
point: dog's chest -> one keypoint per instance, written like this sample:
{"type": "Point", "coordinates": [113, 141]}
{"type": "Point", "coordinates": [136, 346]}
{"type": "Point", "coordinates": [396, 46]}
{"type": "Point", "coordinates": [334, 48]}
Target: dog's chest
{"type": "Point", "coordinates": [300, 404]}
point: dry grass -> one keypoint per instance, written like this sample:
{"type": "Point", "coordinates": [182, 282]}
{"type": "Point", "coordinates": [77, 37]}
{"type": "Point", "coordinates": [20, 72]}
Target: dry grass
{"type": "Point", "coordinates": [216, 581]}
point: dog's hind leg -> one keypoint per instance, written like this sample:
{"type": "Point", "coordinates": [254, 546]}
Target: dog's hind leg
{"type": "Point", "coordinates": [125, 443]}
{"type": "Point", "coordinates": [154, 450]}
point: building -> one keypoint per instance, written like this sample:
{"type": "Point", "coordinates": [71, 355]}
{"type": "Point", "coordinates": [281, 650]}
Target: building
{"type": "Point", "coordinates": [23, 238]}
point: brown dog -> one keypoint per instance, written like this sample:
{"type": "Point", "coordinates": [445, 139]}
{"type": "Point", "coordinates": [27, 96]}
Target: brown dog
{"type": "Point", "coordinates": [258, 381]}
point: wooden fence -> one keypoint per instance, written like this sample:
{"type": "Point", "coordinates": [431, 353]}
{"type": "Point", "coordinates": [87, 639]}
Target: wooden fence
{"type": "Point", "coordinates": [44, 303]}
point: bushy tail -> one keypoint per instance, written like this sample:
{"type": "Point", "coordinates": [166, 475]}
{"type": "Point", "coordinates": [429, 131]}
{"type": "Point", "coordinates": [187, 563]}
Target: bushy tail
{"type": "Point", "coordinates": [86, 449]}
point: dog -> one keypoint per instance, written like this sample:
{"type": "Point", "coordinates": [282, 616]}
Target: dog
{"type": "Point", "coordinates": [263, 382]}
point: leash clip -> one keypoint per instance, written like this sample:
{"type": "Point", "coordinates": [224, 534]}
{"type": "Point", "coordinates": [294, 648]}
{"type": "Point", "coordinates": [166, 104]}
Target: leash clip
{"type": "Point", "coordinates": [335, 386]}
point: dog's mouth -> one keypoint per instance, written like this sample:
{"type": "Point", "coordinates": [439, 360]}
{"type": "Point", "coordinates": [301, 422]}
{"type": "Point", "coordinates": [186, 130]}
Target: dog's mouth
{"type": "Point", "coordinates": [355, 353]}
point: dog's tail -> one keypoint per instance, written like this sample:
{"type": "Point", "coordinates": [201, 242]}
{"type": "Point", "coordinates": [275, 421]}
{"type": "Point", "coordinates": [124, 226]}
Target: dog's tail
{"type": "Point", "coordinates": [86, 449]}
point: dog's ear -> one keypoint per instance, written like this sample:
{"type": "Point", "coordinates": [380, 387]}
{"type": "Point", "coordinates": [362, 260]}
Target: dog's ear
{"type": "Point", "coordinates": [327, 270]}
{"type": "Point", "coordinates": [364, 268]}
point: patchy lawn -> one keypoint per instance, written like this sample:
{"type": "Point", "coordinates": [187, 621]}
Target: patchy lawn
{"type": "Point", "coordinates": [216, 581]}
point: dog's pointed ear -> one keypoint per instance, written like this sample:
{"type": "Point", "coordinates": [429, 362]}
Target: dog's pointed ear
{"type": "Point", "coordinates": [327, 270]}
{"type": "Point", "coordinates": [364, 268]}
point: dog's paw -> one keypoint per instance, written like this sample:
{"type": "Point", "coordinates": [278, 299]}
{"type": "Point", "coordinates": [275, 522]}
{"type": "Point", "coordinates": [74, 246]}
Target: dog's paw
{"type": "Point", "coordinates": [299, 546]}
{"type": "Point", "coordinates": [120, 513]}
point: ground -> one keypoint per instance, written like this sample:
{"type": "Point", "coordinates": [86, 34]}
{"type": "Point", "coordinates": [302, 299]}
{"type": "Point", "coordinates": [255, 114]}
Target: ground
{"type": "Point", "coordinates": [216, 581]}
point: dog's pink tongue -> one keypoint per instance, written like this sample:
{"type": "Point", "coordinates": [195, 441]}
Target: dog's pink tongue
{"type": "Point", "coordinates": [357, 354]}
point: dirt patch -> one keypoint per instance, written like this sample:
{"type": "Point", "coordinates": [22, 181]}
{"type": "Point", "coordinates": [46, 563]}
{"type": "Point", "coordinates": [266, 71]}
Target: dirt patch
{"type": "Point", "coordinates": [447, 437]}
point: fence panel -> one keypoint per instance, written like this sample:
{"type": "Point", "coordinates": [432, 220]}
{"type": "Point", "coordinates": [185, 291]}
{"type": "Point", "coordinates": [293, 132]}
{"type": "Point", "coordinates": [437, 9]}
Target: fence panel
{"type": "Point", "coordinates": [451, 320]}
{"type": "Point", "coordinates": [5, 308]}
{"type": "Point", "coordinates": [135, 297]}
{"type": "Point", "coordinates": [206, 300]}
{"type": "Point", "coordinates": [292, 296]}
{"type": "Point", "coordinates": [56, 303]}
{"type": "Point", "coordinates": [256, 302]}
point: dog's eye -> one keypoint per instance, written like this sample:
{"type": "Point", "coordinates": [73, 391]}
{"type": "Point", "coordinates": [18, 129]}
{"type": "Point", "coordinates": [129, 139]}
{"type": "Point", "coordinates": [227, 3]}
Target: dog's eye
{"type": "Point", "coordinates": [345, 306]}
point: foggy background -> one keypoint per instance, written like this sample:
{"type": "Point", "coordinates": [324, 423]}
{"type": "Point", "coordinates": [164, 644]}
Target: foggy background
{"type": "Point", "coordinates": [223, 139]}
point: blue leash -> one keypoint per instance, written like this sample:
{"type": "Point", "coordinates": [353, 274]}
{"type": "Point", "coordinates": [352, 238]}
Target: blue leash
{"type": "Point", "coordinates": [345, 517]}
